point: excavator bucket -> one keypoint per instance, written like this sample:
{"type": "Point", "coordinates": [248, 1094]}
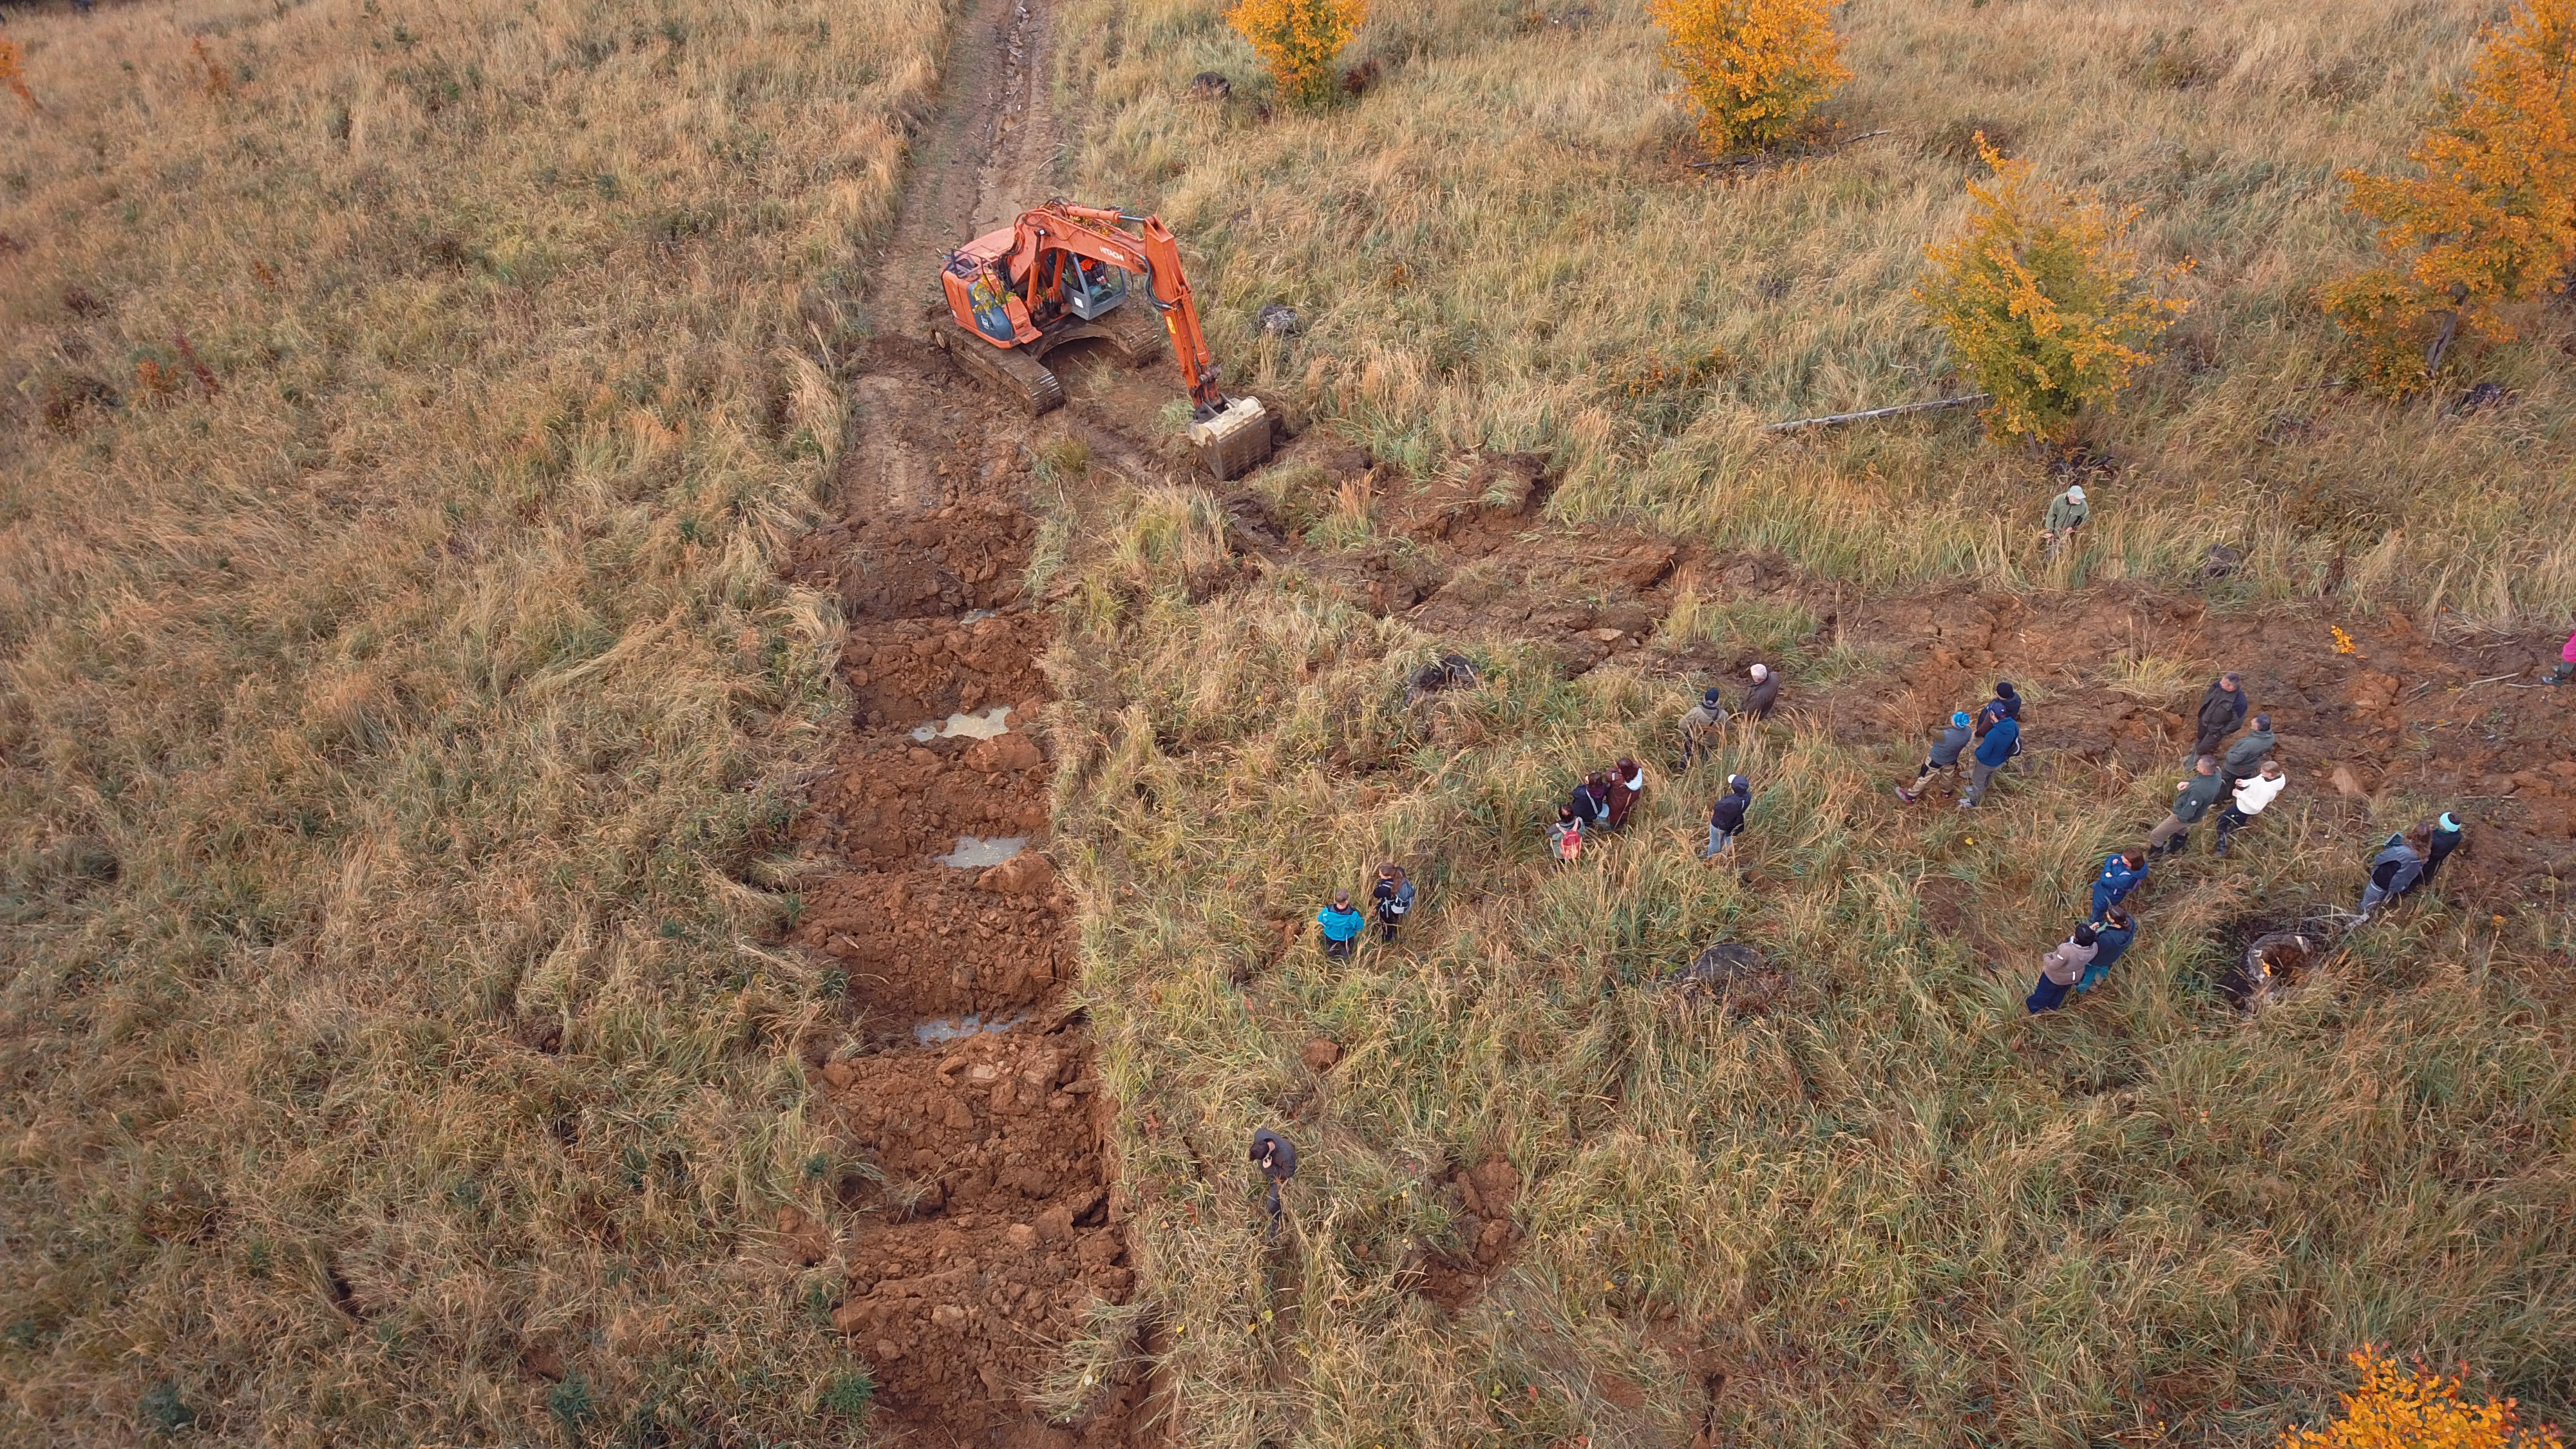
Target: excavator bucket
{"type": "Point", "coordinates": [1235, 441]}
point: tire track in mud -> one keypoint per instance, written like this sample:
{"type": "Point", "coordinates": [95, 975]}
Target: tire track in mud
{"type": "Point", "coordinates": [985, 1221]}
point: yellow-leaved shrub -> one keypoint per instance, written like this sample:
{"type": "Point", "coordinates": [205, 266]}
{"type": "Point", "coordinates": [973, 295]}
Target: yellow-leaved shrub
{"type": "Point", "coordinates": [2399, 1408]}
{"type": "Point", "coordinates": [1754, 69]}
{"type": "Point", "coordinates": [1299, 41]}
{"type": "Point", "coordinates": [2491, 220]}
{"type": "Point", "coordinates": [2047, 305]}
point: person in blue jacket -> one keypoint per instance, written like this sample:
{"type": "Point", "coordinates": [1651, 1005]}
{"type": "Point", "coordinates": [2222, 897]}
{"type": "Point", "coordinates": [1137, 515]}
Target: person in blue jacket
{"type": "Point", "coordinates": [1342, 925]}
{"type": "Point", "coordinates": [2121, 874]}
{"type": "Point", "coordinates": [2002, 742]}
{"type": "Point", "coordinates": [2111, 938]}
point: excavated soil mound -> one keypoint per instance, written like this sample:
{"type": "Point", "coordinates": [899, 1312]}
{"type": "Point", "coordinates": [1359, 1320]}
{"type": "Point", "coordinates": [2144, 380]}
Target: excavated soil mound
{"type": "Point", "coordinates": [1455, 1278]}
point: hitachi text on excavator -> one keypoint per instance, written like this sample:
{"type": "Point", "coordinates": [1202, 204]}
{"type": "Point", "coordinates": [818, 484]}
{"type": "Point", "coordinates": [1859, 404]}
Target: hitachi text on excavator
{"type": "Point", "coordinates": [1051, 278]}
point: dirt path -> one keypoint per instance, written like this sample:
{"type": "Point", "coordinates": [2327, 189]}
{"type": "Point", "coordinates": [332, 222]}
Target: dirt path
{"type": "Point", "coordinates": [984, 1226]}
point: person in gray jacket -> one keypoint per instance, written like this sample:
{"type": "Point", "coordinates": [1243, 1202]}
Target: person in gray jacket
{"type": "Point", "coordinates": [2249, 752]}
{"type": "Point", "coordinates": [2192, 799]}
{"type": "Point", "coordinates": [2066, 513]}
{"type": "Point", "coordinates": [2394, 871]}
{"type": "Point", "coordinates": [1944, 758]}
{"type": "Point", "coordinates": [2222, 709]}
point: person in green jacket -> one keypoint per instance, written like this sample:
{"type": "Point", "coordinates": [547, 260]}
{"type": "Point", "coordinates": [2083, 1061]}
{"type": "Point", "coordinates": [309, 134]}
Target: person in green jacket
{"type": "Point", "coordinates": [2066, 513]}
{"type": "Point", "coordinates": [2251, 749]}
{"type": "Point", "coordinates": [2192, 799]}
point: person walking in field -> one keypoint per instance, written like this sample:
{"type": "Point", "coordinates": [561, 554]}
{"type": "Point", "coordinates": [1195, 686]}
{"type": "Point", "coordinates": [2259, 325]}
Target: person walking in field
{"type": "Point", "coordinates": [2249, 797]}
{"type": "Point", "coordinates": [1276, 1158]}
{"type": "Point", "coordinates": [2441, 837]}
{"type": "Point", "coordinates": [2565, 669]}
{"type": "Point", "coordinates": [2222, 709]}
{"type": "Point", "coordinates": [2249, 752]}
{"type": "Point", "coordinates": [1565, 837]}
{"type": "Point", "coordinates": [1944, 758]}
{"type": "Point", "coordinates": [2111, 938]}
{"type": "Point", "coordinates": [2002, 742]}
{"type": "Point", "coordinates": [2121, 874]}
{"type": "Point", "coordinates": [2394, 871]}
{"type": "Point", "coordinates": [1726, 818]}
{"type": "Point", "coordinates": [2060, 969]}
{"type": "Point", "coordinates": [2066, 513]}
{"type": "Point", "coordinates": [2005, 705]}
{"type": "Point", "coordinates": [1393, 897]}
{"type": "Point", "coordinates": [1765, 692]}
{"type": "Point", "coordinates": [2192, 799]}
{"type": "Point", "coordinates": [1627, 782]}
{"type": "Point", "coordinates": [1342, 926]}
{"type": "Point", "coordinates": [1700, 725]}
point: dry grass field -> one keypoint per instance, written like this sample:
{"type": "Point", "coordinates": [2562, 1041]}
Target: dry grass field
{"type": "Point", "coordinates": [403, 411]}
{"type": "Point", "coordinates": [1501, 245]}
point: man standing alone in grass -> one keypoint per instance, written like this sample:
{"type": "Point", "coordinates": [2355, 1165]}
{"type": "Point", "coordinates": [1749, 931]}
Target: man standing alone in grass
{"type": "Point", "coordinates": [1763, 695]}
{"type": "Point", "coordinates": [2066, 513]}
{"type": "Point", "coordinates": [2222, 709]}
{"type": "Point", "coordinates": [2192, 799]}
{"type": "Point", "coordinates": [2002, 742]}
{"type": "Point", "coordinates": [1727, 816]}
{"type": "Point", "coordinates": [1342, 926]}
{"type": "Point", "coordinates": [1944, 758]}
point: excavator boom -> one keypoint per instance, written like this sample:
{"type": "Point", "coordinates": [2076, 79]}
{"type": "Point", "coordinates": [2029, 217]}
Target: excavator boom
{"type": "Point", "coordinates": [1045, 280]}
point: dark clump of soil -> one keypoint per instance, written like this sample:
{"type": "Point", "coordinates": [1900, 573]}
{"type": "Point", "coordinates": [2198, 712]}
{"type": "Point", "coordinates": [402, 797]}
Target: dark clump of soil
{"type": "Point", "coordinates": [1731, 975]}
{"type": "Point", "coordinates": [1454, 1278]}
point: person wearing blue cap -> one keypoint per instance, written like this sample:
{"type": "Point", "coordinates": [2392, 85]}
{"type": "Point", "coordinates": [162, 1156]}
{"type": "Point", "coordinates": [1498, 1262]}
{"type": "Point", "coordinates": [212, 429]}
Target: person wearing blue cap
{"type": "Point", "coordinates": [2440, 841]}
{"type": "Point", "coordinates": [1944, 758]}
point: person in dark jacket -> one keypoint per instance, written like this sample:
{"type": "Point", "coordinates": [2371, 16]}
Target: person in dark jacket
{"type": "Point", "coordinates": [2192, 799]}
{"type": "Point", "coordinates": [1591, 801]}
{"type": "Point", "coordinates": [1727, 816]}
{"type": "Point", "coordinates": [2441, 838]}
{"type": "Point", "coordinates": [2249, 752]}
{"type": "Point", "coordinates": [1765, 692]}
{"type": "Point", "coordinates": [2121, 874]}
{"type": "Point", "coordinates": [1393, 897]}
{"type": "Point", "coordinates": [2222, 709]}
{"type": "Point", "coordinates": [2002, 742]}
{"type": "Point", "coordinates": [1700, 725]}
{"type": "Point", "coordinates": [2061, 968]}
{"type": "Point", "coordinates": [2111, 940]}
{"type": "Point", "coordinates": [1943, 759]}
{"type": "Point", "coordinates": [2005, 705]}
{"type": "Point", "coordinates": [1276, 1157]}
{"type": "Point", "coordinates": [2394, 871]}
{"type": "Point", "coordinates": [1627, 782]}
{"type": "Point", "coordinates": [1342, 925]}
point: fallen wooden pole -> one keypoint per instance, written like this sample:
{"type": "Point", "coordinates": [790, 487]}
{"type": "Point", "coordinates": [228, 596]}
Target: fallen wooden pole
{"type": "Point", "coordinates": [1900, 410]}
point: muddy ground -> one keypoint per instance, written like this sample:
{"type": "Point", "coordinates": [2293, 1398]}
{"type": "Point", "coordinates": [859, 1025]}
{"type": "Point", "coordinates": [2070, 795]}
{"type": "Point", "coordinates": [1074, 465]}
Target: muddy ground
{"type": "Point", "coordinates": [988, 1217]}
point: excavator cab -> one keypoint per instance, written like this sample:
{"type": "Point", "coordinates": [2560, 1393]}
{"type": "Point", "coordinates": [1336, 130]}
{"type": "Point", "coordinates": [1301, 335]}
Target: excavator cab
{"type": "Point", "coordinates": [1092, 287]}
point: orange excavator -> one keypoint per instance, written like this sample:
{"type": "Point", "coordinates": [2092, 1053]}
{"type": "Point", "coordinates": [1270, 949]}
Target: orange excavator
{"type": "Point", "coordinates": [1050, 279]}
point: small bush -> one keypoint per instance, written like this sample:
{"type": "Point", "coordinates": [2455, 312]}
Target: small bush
{"type": "Point", "coordinates": [2490, 222]}
{"type": "Point", "coordinates": [2045, 302]}
{"type": "Point", "coordinates": [848, 1395]}
{"type": "Point", "coordinates": [1300, 41]}
{"type": "Point", "coordinates": [2417, 1409]}
{"type": "Point", "coordinates": [572, 1403]}
{"type": "Point", "coordinates": [164, 1411]}
{"type": "Point", "coordinates": [1754, 69]}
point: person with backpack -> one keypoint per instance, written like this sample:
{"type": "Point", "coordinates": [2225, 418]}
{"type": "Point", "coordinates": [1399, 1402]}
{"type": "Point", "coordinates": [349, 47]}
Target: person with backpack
{"type": "Point", "coordinates": [1764, 693]}
{"type": "Point", "coordinates": [2394, 871]}
{"type": "Point", "coordinates": [1944, 758]}
{"type": "Point", "coordinates": [2005, 705]}
{"type": "Point", "coordinates": [1726, 818]}
{"type": "Point", "coordinates": [1565, 837]}
{"type": "Point", "coordinates": [1393, 896]}
{"type": "Point", "coordinates": [1627, 782]}
{"type": "Point", "coordinates": [1700, 724]}
{"type": "Point", "coordinates": [2001, 743]}
{"type": "Point", "coordinates": [2121, 874]}
{"type": "Point", "coordinates": [2222, 709]}
{"type": "Point", "coordinates": [2251, 795]}
{"type": "Point", "coordinates": [2111, 938]}
{"type": "Point", "coordinates": [2192, 799]}
{"type": "Point", "coordinates": [2249, 752]}
{"type": "Point", "coordinates": [2060, 969]}
{"type": "Point", "coordinates": [1342, 926]}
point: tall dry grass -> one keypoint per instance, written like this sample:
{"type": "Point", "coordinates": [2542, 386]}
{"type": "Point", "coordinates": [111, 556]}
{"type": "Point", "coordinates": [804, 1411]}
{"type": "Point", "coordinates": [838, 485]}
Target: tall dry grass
{"type": "Point", "coordinates": [1500, 245]}
{"type": "Point", "coordinates": [396, 736]}
{"type": "Point", "coordinates": [1893, 1211]}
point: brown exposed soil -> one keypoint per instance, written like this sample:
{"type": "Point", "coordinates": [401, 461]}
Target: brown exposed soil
{"type": "Point", "coordinates": [1487, 1234]}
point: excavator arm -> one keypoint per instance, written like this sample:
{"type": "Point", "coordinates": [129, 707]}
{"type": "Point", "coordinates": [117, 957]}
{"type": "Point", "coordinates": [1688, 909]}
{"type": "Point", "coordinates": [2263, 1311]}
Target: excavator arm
{"type": "Point", "coordinates": [1092, 231]}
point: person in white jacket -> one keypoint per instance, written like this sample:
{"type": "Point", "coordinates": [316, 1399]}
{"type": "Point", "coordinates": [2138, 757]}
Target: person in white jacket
{"type": "Point", "coordinates": [2253, 793]}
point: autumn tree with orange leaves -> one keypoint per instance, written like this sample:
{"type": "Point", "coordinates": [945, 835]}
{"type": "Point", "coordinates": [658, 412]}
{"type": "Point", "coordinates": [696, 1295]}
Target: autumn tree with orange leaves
{"type": "Point", "coordinates": [13, 73]}
{"type": "Point", "coordinates": [2491, 219]}
{"type": "Point", "coordinates": [1754, 69]}
{"type": "Point", "coordinates": [1299, 41]}
{"type": "Point", "coordinates": [2416, 1408]}
{"type": "Point", "coordinates": [2046, 303]}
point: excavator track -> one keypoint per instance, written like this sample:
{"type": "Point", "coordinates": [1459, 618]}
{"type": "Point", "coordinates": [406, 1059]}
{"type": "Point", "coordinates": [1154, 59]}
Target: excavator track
{"type": "Point", "coordinates": [1009, 371]}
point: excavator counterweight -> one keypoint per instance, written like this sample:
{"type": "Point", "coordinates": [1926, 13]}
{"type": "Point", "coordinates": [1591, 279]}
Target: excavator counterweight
{"type": "Point", "coordinates": [1053, 277]}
